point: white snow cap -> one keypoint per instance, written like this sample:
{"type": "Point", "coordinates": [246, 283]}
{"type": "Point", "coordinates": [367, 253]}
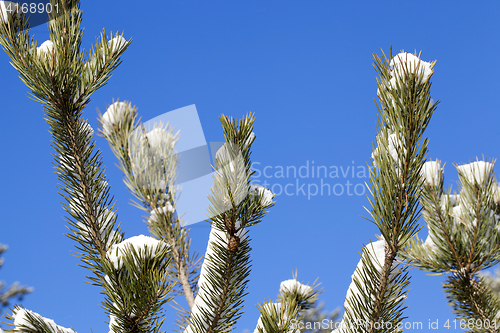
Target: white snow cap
{"type": "Point", "coordinates": [79, 93]}
{"type": "Point", "coordinates": [394, 146]}
{"type": "Point", "coordinates": [68, 162]}
{"type": "Point", "coordinates": [431, 172]}
{"type": "Point", "coordinates": [71, 165]}
{"type": "Point", "coordinates": [392, 82]}
{"type": "Point", "coordinates": [200, 305]}
{"type": "Point", "coordinates": [415, 65]}
{"type": "Point", "coordinates": [159, 137]}
{"type": "Point", "coordinates": [45, 48]}
{"type": "Point", "coordinates": [294, 285]}
{"type": "Point", "coordinates": [267, 196]}
{"type": "Point", "coordinates": [444, 201]}
{"type": "Point", "coordinates": [476, 172]}
{"type": "Point", "coordinates": [376, 251]}
{"type": "Point", "coordinates": [117, 43]}
{"type": "Point", "coordinates": [112, 117]}
{"type": "Point", "coordinates": [155, 213]}
{"type": "Point", "coordinates": [139, 243]}
{"type": "Point", "coordinates": [21, 319]}
{"type": "Point", "coordinates": [457, 214]}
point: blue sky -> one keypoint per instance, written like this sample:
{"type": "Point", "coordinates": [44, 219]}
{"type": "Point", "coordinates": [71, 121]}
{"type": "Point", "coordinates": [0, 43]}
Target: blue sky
{"type": "Point", "coordinates": [305, 69]}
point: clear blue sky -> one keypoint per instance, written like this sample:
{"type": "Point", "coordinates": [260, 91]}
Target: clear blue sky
{"type": "Point", "coordinates": [305, 69]}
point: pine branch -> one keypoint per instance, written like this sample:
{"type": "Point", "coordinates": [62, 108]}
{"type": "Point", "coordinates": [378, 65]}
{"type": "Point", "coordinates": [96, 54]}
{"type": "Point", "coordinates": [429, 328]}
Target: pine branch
{"type": "Point", "coordinates": [148, 161]}
{"type": "Point", "coordinates": [463, 239]}
{"type": "Point", "coordinates": [27, 321]}
{"type": "Point", "coordinates": [294, 306]}
{"type": "Point", "coordinates": [54, 77]}
{"type": "Point", "coordinates": [235, 205]}
{"type": "Point", "coordinates": [277, 317]}
{"type": "Point", "coordinates": [472, 299]}
{"type": "Point", "coordinates": [406, 109]}
{"type": "Point", "coordinates": [138, 285]}
{"type": "Point", "coordinates": [383, 286]}
{"type": "Point", "coordinates": [135, 283]}
{"type": "Point", "coordinates": [374, 302]}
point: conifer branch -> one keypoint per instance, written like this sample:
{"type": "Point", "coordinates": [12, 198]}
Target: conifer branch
{"type": "Point", "coordinates": [290, 310]}
{"type": "Point", "coordinates": [60, 79]}
{"type": "Point", "coordinates": [404, 115]}
{"type": "Point", "coordinates": [235, 205]}
{"type": "Point", "coordinates": [472, 299]}
{"type": "Point", "coordinates": [374, 302]}
{"type": "Point", "coordinates": [148, 161]}
{"type": "Point", "coordinates": [463, 239]}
